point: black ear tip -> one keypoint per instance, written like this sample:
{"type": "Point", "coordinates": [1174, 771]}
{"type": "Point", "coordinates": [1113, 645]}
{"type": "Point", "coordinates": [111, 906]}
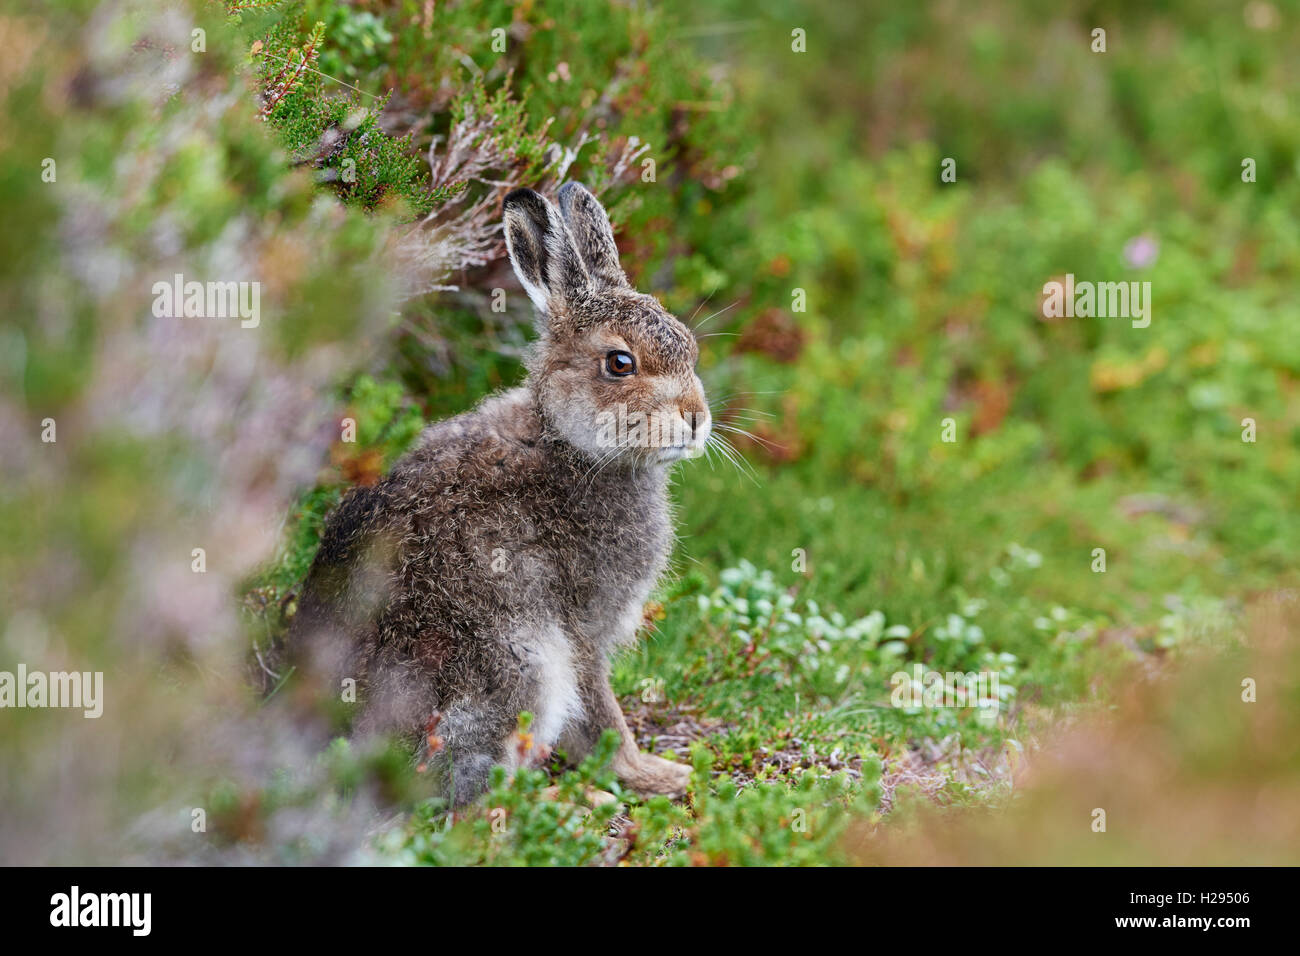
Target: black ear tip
{"type": "Point", "coordinates": [523, 196]}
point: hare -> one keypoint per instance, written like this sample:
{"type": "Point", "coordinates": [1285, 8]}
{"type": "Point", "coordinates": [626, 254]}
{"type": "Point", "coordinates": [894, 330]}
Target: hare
{"type": "Point", "coordinates": [509, 554]}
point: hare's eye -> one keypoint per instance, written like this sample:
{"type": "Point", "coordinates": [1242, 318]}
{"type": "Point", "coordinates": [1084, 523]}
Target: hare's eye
{"type": "Point", "coordinates": [620, 363]}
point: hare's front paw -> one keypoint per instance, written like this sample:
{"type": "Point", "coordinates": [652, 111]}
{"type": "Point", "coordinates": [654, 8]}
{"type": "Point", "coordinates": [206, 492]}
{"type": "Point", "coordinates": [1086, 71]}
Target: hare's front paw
{"type": "Point", "coordinates": [648, 775]}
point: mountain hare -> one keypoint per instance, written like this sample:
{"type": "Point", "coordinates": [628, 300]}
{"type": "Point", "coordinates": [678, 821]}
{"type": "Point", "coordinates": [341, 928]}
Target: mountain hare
{"type": "Point", "coordinates": [511, 551]}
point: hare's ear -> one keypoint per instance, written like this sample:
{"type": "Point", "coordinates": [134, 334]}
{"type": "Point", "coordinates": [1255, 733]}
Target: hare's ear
{"type": "Point", "coordinates": [542, 251]}
{"type": "Point", "coordinates": [592, 234]}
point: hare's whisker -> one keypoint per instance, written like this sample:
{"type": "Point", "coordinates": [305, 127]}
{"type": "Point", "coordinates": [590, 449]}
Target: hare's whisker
{"type": "Point", "coordinates": [753, 411]}
{"type": "Point", "coordinates": [729, 452]}
{"type": "Point", "coordinates": [731, 395]}
{"type": "Point", "coordinates": [715, 315]}
{"type": "Point", "coordinates": [741, 459]}
{"type": "Point", "coordinates": [698, 307]}
{"type": "Point", "coordinates": [743, 431]}
{"type": "Point", "coordinates": [601, 462]}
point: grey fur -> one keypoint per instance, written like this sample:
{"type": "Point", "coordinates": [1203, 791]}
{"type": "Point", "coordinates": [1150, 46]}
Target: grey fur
{"type": "Point", "coordinates": [508, 555]}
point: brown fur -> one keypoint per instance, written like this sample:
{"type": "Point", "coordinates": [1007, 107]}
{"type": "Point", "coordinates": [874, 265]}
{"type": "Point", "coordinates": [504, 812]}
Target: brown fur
{"type": "Point", "coordinates": [509, 553]}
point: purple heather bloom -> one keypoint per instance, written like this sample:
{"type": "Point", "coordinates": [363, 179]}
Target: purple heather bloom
{"type": "Point", "coordinates": [1141, 251]}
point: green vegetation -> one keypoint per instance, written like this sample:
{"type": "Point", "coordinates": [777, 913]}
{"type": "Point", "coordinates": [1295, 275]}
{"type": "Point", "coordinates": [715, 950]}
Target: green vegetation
{"type": "Point", "coordinates": [857, 307]}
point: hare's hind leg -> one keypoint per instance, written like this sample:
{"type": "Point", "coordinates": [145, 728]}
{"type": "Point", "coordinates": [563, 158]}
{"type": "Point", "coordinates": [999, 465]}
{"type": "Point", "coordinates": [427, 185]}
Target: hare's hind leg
{"type": "Point", "coordinates": [643, 773]}
{"type": "Point", "coordinates": [536, 674]}
{"type": "Point", "coordinates": [470, 739]}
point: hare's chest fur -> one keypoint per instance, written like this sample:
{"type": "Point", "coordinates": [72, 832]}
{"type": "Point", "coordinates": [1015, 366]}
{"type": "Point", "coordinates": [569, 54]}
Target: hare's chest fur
{"type": "Point", "coordinates": [584, 549]}
{"type": "Point", "coordinates": [620, 545]}
{"type": "Point", "coordinates": [518, 533]}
